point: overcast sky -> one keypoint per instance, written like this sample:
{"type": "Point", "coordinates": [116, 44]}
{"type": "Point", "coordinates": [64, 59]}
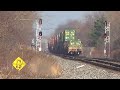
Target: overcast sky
{"type": "Point", "coordinates": [51, 19]}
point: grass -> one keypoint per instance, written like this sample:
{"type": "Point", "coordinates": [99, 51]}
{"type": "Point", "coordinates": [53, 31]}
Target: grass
{"type": "Point", "coordinates": [38, 65]}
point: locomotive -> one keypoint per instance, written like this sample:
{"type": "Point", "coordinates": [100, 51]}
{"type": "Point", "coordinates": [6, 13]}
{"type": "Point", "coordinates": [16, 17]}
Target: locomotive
{"type": "Point", "coordinates": [65, 43]}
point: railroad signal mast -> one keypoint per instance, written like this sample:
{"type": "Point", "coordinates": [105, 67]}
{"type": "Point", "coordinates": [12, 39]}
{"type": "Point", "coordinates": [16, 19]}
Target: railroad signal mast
{"type": "Point", "coordinates": [38, 35]}
{"type": "Point", "coordinates": [40, 41]}
{"type": "Point", "coordinates": [107, 40]}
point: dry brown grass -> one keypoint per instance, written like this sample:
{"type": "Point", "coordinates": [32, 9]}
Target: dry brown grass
{"type": "Point", "coordinates": [38, 65]}
{"type": "Point", "coordinates": [116, 54]}
{"type": "Point", "coordinates": [96, 53]}
{"type": "Point", "coordinates": [15, 32]}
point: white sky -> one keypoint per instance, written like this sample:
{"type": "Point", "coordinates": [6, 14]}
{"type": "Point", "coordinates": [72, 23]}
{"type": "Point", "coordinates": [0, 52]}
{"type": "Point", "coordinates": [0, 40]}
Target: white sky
{"type": "Point", "coordinates": [51, 19]}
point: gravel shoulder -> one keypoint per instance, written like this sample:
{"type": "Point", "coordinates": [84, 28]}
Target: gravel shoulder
{"type": "Point", "coordinates": [79, 70]}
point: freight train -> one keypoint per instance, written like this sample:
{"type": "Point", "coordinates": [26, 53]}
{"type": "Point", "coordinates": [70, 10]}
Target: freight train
{"type": "Point", "coordinates": [65, 43]}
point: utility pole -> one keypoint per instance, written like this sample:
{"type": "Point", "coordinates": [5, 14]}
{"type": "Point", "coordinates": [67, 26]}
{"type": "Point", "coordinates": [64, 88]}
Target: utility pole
{"type": "Point", "coordinates": [107, 40]}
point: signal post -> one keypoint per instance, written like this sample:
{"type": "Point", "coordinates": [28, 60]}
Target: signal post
{"type": "Point", "coordinates": [39, 36]}
{"type": "Point", "coordinates": [107, 40]}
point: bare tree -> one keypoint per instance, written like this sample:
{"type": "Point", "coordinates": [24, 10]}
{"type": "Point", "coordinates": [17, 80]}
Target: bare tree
{"type": "Point", "coordinates": [16, 27]}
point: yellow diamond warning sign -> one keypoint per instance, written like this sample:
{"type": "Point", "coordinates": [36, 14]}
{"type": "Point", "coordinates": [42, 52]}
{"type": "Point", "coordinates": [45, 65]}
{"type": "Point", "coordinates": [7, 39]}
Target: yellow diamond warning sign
{"type": "Point", "coordinates": [18, 63]}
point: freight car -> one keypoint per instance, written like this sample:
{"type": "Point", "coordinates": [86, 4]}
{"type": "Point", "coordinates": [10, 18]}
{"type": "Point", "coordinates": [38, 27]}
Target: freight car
{"type": "Point", "coordinates": [65, 43]}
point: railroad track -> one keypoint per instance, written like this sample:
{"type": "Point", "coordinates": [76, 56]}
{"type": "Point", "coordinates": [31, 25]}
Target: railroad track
{"type": "Point", "coordinates": [102, 62]}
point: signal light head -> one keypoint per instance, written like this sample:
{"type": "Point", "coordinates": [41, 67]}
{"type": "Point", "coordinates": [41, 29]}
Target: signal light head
{"type": "Point", "coordinates": [40, 33]}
